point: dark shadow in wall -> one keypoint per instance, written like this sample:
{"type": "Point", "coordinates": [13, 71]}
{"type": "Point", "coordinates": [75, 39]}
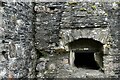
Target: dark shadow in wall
{"type": "Point", "coordinates": [85, 60]}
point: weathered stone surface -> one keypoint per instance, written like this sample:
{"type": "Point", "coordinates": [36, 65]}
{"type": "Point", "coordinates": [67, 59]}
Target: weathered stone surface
{"type": "Point", "coordinates": [52, 66]}
{"type": "Point", "coordinates": [17, 20]}
{"type": "Point", "coordinates": [96, 34]}
{"type": "Point", "coordinates": [2, 58]}
{"type": "Point", "coordinates": [40, 66]}
{"type": "Point", "coordinates": [80, 20]}
{"type": "Point", "coordinates": [31, 31]}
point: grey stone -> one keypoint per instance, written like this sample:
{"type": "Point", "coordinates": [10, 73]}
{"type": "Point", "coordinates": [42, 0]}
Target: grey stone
{"type": "Point", "coordinates": [51, 66]}
{"type": "Point", "coordinates": [2, 58]}
{"type": "Point", "coordinates": [28, 27]}
{"type": "Point", "coordinates": [40, 66]}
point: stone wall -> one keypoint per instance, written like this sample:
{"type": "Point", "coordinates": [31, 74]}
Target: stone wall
{"type": "Point", "coordinates": [98, 21]}
{"type": "Point", "coordinates": [47, 24]}
{"type": "Point", "coordinates": [34, 38]}
{"type": "Point", "coordinates": [18, 44]}
{"type": "Point", "coordinates": [114, 16]}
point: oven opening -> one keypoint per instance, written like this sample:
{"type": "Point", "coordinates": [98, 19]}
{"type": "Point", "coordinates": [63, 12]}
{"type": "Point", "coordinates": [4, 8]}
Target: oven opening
{"type": "Point", "coordinates": [85, 60]}
{"type": "Point", "coordinates": [86, 53]}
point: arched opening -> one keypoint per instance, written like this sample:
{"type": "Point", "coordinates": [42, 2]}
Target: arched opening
{"type": "Point", "coordinates": [86, 53]}
{"type": "Point", "coordinates": [85, 60]}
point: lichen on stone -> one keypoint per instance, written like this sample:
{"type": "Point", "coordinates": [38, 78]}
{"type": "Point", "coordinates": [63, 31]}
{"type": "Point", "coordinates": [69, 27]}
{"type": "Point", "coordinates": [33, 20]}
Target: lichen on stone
{"type": "Point", "coordinates": [93, 7]}
{"type": "Point", "coordinates": [106, 14]}
{"type": "Point", "coordinates": [118, 3]}
{"type": "Point", "coordinates": [89, 12]}
{"type": "Point", "coordinates": [72, 3]}
{"type": "Point", "coordinates": [83, 9]}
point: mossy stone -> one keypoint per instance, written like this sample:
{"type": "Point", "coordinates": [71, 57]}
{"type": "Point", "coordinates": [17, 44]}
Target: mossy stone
{"type": "Point", "coordinates": [72, 3]}
{"type": "Point", "coordinates": [83, 9]}
{"type": "Point", "coordinates": [93, 7]}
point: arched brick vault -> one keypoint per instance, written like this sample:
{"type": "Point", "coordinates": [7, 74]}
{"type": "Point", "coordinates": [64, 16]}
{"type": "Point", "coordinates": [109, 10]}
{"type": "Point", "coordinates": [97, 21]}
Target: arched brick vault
{"type": "Point", "coordinates": [98, 34]}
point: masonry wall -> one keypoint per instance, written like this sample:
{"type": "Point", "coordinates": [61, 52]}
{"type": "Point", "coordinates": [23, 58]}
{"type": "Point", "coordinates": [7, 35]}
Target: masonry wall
{"type": "Point", "coordinates": [34, 37]}
{"type": "Point", "coordinates": [47, 25]}
{"type": "Point", "coordinates": [99, 21]}
{"type": "Point", "coordinates": [114, 22]}
{"type": "Point", "coordinates": [18, 44]}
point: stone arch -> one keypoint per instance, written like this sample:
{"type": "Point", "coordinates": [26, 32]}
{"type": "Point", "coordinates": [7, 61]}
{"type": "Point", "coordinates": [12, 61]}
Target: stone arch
{"type": "Point", "coordinates": [98, 34]}
{"type": "Point", "coordinates": [84, 46]}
